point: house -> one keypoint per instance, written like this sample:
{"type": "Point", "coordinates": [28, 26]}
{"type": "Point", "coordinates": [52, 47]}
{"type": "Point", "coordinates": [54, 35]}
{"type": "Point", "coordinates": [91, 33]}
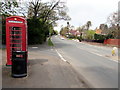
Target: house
{"type": "Point", "coordinates": [74, 32]}
{"type": "Point", "coordinates": [98, 31]}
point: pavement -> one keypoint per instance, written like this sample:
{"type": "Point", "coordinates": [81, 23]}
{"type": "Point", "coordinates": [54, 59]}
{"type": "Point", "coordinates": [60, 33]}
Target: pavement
{"type": "Point", "coordinates": [45, 70]}
{"type": "Point", "coordinates": [95, 63]}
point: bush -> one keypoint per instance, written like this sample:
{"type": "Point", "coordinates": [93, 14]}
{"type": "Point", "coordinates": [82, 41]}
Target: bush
{"type": "Point", "coordinates": [109, 36]}
{"type": "Point", "coordinates": [37, 32]}
{"type": "Point", "coordinates": [50, 42]}
{"type": "Point", "coordinates": [71, 36]}
{"type": "Point", "coordinates": [99, 38]}
{"type": "Point", "coordinates": [89, 35]}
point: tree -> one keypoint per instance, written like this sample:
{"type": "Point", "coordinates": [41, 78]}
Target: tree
{"type": "Point", "coordinates": [42, 17]}
{"type": "Point", "coordinates": [64, 31]}
{"type": "Point", "coordinates": [79, 29]}
{"type": "Point", "coordinates": [48, 12]}
{"type": "Point", "coordinates": [88, 24]}
{"type": "Point", "coordinates": [113, 19]}
{"type": "Point", "coordinates": [113, 22]}
{"type": "Point", "coordinates": [104, 28]}
{"type": "Point", "coordinates": [8, 8]}
{"type": "Point", "coordinates": [55, 32]}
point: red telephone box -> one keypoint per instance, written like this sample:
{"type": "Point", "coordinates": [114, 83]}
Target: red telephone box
{"type": "Point", "coordinates": [16, 36]}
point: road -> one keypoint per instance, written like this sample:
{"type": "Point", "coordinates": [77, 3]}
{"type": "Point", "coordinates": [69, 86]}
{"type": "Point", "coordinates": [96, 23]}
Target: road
{"type": "Point", "coordinates": [93, 63]}
{"type": "Point", "coordinates": [45, 70]}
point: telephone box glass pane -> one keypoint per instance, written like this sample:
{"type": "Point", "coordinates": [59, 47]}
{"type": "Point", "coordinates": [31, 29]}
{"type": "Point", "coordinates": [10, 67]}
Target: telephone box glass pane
{"type": "Point", "coordinates": [15, 28]}
{"type": "Point", "coordinates": [16, 41]}
{"type": "Point", "coordinates": [15, 32]}
{"type": "Point", "coordinates": [16, 38]}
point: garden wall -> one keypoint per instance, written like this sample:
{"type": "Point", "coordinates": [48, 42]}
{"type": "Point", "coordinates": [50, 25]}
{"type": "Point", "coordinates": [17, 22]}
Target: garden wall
{"type": "Point", "coordinates": [112, 41]}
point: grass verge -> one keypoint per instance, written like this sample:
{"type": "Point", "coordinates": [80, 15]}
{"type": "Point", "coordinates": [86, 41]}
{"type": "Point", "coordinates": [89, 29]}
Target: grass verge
{"type": "Point", "coordinates": [50, 42]}
{"type": "Point", "coordinates": [69, 38]}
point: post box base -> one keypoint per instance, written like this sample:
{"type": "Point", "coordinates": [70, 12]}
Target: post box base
{"type": "Point", "coordinates": [19, 75]}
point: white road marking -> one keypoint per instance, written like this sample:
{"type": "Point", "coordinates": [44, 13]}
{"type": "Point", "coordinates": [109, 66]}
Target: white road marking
{"type": "Point", "coordinates": [96, 53]}
{"type": "Point", "coordinates": [113, 60]}
{"type": "Point", "coordinates": [105, 57]}
{"type": "Point", "coordinates": [60, 56]}
{"type": "Point", "coordinates": [87, 51]}
{"type": "Point", "coordinates": [99, 55]}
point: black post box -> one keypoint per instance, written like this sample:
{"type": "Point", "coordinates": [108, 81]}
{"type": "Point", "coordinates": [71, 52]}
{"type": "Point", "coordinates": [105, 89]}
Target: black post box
{"type": "Point", "coordinates": [19, 64]}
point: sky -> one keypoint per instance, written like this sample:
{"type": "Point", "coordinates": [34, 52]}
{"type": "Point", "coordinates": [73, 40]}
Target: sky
{"type": "Point", "coordinates": [95, 11]}
{"type": "Point", "coordinates": [82, 11]}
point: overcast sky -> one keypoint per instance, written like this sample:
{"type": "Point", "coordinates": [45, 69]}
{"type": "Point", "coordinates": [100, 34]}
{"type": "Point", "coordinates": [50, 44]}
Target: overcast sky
{"type": "Point", "coordinates": [95, 11]}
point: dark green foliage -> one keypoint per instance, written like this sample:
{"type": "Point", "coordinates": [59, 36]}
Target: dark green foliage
{"type": "Point", "coordinates": [109, 36]}
{"type": "Point", "coordinates": [71, 37]}
{"type": "Point", "coordinates": [37, 31]}
{"type": "Point", "coordinates": [103, 37]}
{"type": "Point", "coordinates": [99, 37]}
{"type": "Point", "coordinates": [55, 32]}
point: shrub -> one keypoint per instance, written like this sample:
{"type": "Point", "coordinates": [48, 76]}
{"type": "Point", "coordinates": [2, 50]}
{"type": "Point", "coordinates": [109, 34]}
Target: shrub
{"type": "Point", "coordinates": [99, 38]}
{"type": "Point", "coordinates": [109, 36]}
{"type": "Point", "coordinates": [71, 36]}
{"type": "Point", "coordinates": [50, 42]}
{"type": "Point", "coordinates": [89, 35]}
{"type": "Point", "coordinates": [37, 32]}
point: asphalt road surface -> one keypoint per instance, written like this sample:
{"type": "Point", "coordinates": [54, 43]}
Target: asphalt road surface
{"type": "Point", "coordinates": [94, 63]}
{"type": "Point", "coordinates": [45, 70]}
